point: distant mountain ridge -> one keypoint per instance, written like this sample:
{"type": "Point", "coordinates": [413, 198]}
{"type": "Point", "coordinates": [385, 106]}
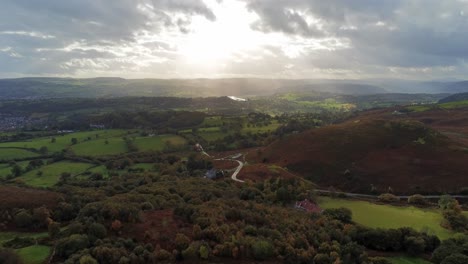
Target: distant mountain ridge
{"type": "Point", "coordinates": [47, 87]}
{"type": "Point", "coordinates": [454, 98]}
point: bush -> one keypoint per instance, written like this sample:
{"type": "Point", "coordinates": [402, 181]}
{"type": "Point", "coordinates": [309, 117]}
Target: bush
{"type": "Point", "coordinates": [68, 246]}
{"type": "Point", "coordinates": [9, 256]}
{"type": "Point", "coordinates": [342, 214]}
{"type": "Point", "coordinates": [455, 259]}
{"type": "Point", "coordinates": [417, 199]}
{"type": "Point", "coordinates": [379, 260]}
{"type": "Point", "coordinates": [262, 250]}
{"type": "Point", "coordinates": [388, 198]}
{"type": "Point", "coordinates": [23, 219]}
{"type": "Point", "coordinates": [97, 230]}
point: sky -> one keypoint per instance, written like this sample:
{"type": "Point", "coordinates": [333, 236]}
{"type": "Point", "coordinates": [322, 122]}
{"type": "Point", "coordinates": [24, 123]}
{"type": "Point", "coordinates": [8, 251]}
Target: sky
{"type": "Point", "coordinates": [299, 39]}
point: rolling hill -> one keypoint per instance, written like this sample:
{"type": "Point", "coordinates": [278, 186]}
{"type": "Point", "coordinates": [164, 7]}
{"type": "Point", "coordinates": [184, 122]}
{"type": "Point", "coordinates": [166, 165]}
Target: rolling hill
{"type": "Point", "coordinates": [362, 155]}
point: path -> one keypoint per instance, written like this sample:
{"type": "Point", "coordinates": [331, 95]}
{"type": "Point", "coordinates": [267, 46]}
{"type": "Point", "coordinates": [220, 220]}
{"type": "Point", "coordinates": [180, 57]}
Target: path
{"type": "Point", "coordinates": [238, 169]}
{"type": "Point", "coordinates": [399, 196]}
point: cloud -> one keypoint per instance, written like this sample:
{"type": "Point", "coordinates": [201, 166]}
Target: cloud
{"type": "Point", "coordinates": [263, 38]}
{"type": "Point", "coordinates": [393, 33]}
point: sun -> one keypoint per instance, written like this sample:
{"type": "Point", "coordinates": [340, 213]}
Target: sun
{"type": "Point", "coordinates": [212, 44]}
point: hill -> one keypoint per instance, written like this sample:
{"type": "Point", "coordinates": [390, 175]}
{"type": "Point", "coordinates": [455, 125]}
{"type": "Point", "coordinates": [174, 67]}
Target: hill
{"type": "Point", "coordinates": [362, 155]}
{"type": "Point", "coordinates": [454, 98]}
{"type": "Point", "coordinates": [33, 88]}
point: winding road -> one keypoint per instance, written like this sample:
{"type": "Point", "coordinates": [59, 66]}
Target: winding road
{"type": "Point", "coordinates": [238, 169]}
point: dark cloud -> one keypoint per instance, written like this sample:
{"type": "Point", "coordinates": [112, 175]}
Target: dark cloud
{"type": "Point", "coordinates": [409, 33]}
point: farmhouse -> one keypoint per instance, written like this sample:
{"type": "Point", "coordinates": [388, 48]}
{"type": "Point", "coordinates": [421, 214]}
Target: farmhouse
{"type": "Point", "coordinates": [307, 206]}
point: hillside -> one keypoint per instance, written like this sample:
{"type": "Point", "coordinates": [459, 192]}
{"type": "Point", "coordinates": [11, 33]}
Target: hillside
{"type": "Point", "coordinates": [118, 87]}
{"type": "Point", "coordinates": [454, 98]}
{"type": "Point", "coordinates": [407, 156]}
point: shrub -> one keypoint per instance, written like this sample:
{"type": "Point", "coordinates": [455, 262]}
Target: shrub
{"type": "Point", "coordinates": [417, 199]}
{"type": "Point", "coordinates": [262, 250]}
{"type": "Point", "coordinates": [342, 214]}
{"type": "Point", "coordinates": [23, 219]}
{"type": "Point", "coordinates": [388, 198]}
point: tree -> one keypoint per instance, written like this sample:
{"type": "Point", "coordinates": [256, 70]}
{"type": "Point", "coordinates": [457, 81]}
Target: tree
{"type": "Point", "coordinates": [388, 198]}
{"type": "Point", "coordinates": [447, 202]}
{"type": "Point", "coordinates": [8, 256]}
{"type": "Point", "coordinates": [262, 250]}
{"type": "Point", "coordinates": [41, 216]}
{"type": "Point", "coordinates": [16, 170]}
{"type": "Point", "coordinates": [43, 150]}
{"type": "Point", "coordinates": [417, 199]}
{"type": "Point", "coordinates": [342, 214]}
{"type": "Point", "coordinates": [53, 229]}
{"type": "Point", "coordinates": [182, 242]}
{"type": "Point", "coordinates": [415, 245]}
{"type": "Point", "coordinates": [74, 141]}
{"type": "Point", "coordinates": [68, 246]}
{"type": "Point", "coordinates": [97, 230]}
{"type": "Point", "coordinates": [87, 259]}
{"type": "Point", "coordinates": [53, 140]}
{"type": "Point", "coordinates": [455, 259]}
{"type": "Point", "coordinates": [23, 219]}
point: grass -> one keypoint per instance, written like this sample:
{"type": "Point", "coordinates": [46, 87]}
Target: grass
{"type": "Point", "coordinates": [456, 104]}
{"type": "Point", "coordinates": [36, 254]}
{"type": "Point", "coordinates": [261, 129]}
{"type": "Point", "coordinates": [7, 236]}
{"type": "Point", "coordinates": [13, 153]}
{"type": "Point", "coordinates": [407, 260]}
{"type": "Point", "coordinates": [387, 216]}
{"type": "Point", "coordinates": [5, 168]}
{"type": "Point", "coordinates": [114, 146]}
{"type": "Point", "coordinates": [144, 166]}
{"type": "Point", "coordinates": [63, 141]}
{"type": "Point", "coordinates": [51, 173]}
{"type": "Point", "coordinates": [158, 143]}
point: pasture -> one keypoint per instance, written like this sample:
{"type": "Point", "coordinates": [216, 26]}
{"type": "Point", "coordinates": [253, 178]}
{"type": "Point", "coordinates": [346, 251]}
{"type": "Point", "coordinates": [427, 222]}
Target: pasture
{"type": "Point", "coordinates": [15, 153]}
{"type": "Point", "coordinates": [158, 143]}
{"type": "Point", "coordinates": [6, 236]}
{"type": "Point", "coordinates": [63, 141]}
{"type": "Point", "coordinates": [100, 147]}
{"type": "Point", "coordinates": [407, 260]}
{"type": "Point", "coordinates": [387, 216]}
{"type": "Point", "coordinates": [35, 254]}
{"type": "Point", "coordinates": [51, 173]}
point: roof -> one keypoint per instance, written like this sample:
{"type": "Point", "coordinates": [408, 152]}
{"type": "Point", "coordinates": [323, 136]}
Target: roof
{"type": "Point", "coordinates": [308, 206]}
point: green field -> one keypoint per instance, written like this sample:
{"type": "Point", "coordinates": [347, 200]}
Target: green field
{"type": "Point", "coordinates": [144, 166]}
{"type": "Point", "coordinates": [64, 140]}
{"type": "Point", "coordinates": [261, 129]}
{"type": "Point", "coordinates": [455, 104]}
{"type": "Point", "coordinates": [5, 168]}
{"type": "Point", "coordinates": [158, 143]}
{"type": "Point", "coordinates": [6, 236]}
{"type": "Point", "coordinates": [99, 147]}
{"type": "Point", "coordinates": [408, 260]}
{"type": "Point", "coordinates": [51, 173]}
{"type": "Point", "coordinates": [36, 254]}
{"type": "Point", "coordinates": [387, 216]}
{"type": "Point", "coordinates": [14, 153]}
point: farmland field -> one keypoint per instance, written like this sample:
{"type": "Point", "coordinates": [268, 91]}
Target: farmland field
{"type": "Point", "coordinates": [14, 153]}
{"type": "Point", "coordinates": [387, 216]}
{"type": "Point", "coordinates": [51, 173]}
{"type": "Point", "coordinates": [64, 140]}
{"type": "Point", "coordinates": [99, 147]}
{"type": "Point", "coordinates": [6, 236]}
{"type": "Point", "coordinates": [407, 260]}
{"type": "Point", "coordinates": [157, 143]}
{"type": "Point", "coordinates": [5, 168]}
{"type": "Point", "coordinates": [36, 254]}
